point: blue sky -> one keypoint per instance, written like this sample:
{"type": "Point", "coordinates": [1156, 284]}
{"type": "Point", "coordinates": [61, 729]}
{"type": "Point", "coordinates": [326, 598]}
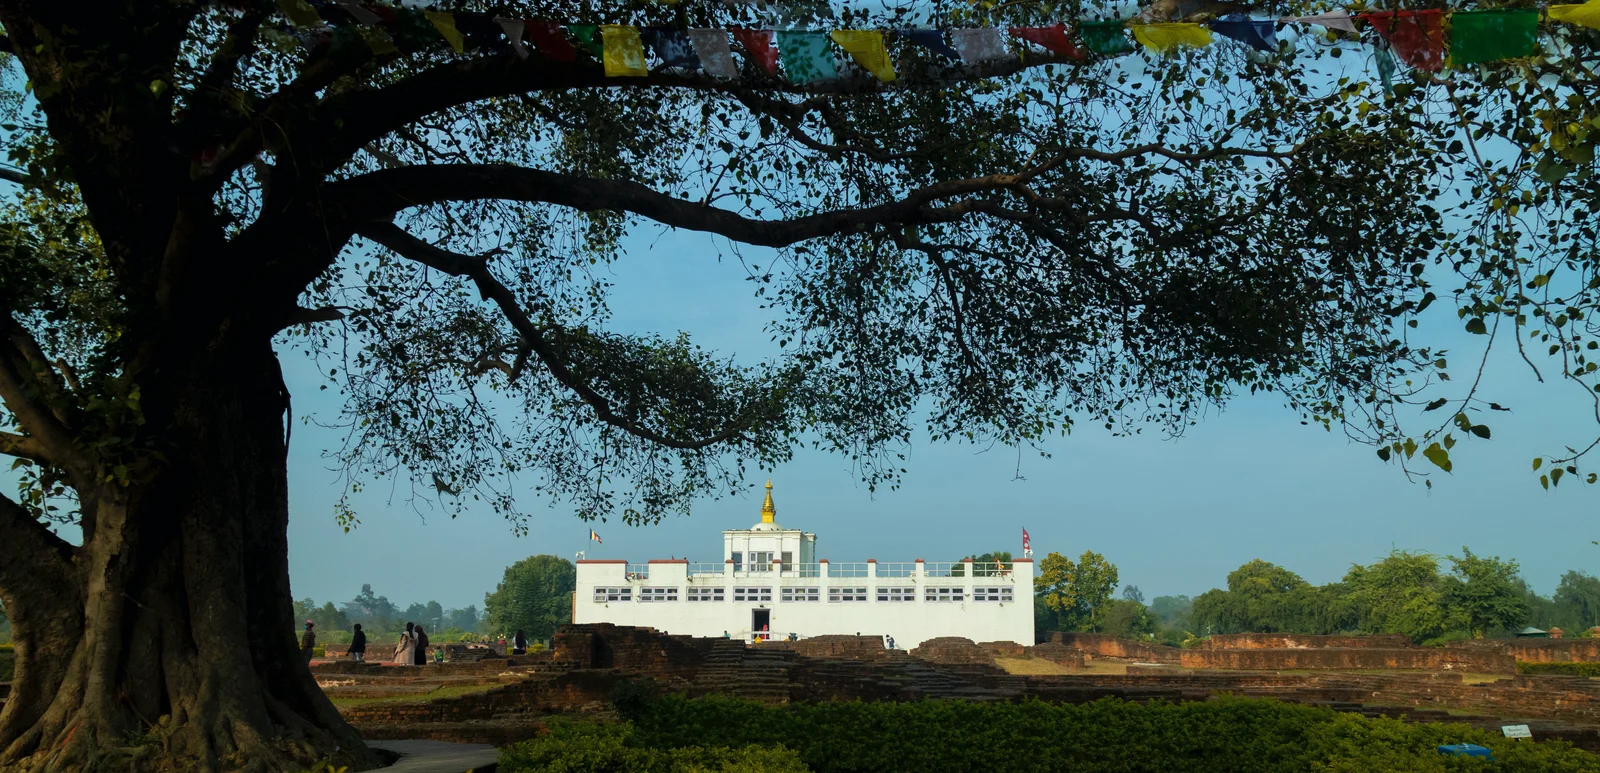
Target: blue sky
{"type": "Point", "coordinates": [1175, 516]}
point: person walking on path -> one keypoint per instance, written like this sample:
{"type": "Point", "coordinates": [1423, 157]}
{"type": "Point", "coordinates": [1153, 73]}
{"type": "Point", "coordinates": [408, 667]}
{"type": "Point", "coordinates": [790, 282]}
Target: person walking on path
{"type": "Point", "coordinates": [420, 652]}
{"type": "Point", "coordinates": [519, 645]}
{"type": "Point", "coordinates": [358, 645]}
{"type": "Point", "coordinates": [308, 641]}
{"type": "Point", "coordinates": [402, 651]}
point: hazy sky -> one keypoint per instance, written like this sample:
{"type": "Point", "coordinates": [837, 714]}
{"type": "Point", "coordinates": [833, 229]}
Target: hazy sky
{"type": "Point", "coordinates": [1175, 516]}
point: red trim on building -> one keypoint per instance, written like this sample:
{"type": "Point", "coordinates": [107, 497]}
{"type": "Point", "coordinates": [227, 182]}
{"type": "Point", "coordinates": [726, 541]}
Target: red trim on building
{"type": "Point", "coordinates": [822, 560]}
{"type": "Point", "coordinates": [920, 561]}
{"type": "Point", "coordinates": [1021, 560]}
{"type": "Point", "coordinates": [604, 561]}
{"type": "Point", "coordinates": [872, 560]}
{"type": "Point", "coordinates": [729, 561]}
{"type": "Point", "coordinates": [668, 561]}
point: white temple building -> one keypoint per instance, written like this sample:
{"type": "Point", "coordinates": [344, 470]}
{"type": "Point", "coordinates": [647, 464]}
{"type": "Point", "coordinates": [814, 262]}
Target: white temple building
{"type": "Point", "coordinates": [770, 584]}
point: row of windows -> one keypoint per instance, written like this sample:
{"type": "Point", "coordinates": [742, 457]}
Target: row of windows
{"type": "Point", "coordinates": [835, 595]}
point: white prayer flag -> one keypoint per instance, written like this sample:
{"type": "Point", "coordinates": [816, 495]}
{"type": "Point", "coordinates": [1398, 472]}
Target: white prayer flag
{"type": "Point", "coordinates": [715, 56]}
{"type": "Point", "coordinates": [513, 29]}
{"type": "Point", "coordinates": [1333, 20]}
{"type": "Point", "coordinates": [979, 45]}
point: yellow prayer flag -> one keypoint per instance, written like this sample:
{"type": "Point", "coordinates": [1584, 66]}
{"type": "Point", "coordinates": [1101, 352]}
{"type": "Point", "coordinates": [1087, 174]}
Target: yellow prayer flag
{"type": "Point", "coordinates": [1587, 14]}
{"type": "Point", "coordinates": [1165, 37]}
{"type": "Point", "coordinates": [624, 51]}
{"type": "Point", "coordinates": [866, 47]}
{"type": "Point", "coordinates": [300, 13]}
{"type": "Point", "coordinates": [446, 25]}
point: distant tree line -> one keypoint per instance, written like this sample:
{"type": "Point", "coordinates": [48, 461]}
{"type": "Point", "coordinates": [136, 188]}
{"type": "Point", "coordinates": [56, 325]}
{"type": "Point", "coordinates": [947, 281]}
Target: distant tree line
{"type": "Point", "coordinates": [534, 596]}
{"type": "Point", "coordinates": [1422, 596]}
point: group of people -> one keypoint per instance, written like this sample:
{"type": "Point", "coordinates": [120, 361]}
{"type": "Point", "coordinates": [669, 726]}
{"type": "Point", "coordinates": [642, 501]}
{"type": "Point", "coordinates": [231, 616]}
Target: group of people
{"type": "Point", "coordinates": [413, 647]}
{"type": "Point", "coordinates": [411, 651]}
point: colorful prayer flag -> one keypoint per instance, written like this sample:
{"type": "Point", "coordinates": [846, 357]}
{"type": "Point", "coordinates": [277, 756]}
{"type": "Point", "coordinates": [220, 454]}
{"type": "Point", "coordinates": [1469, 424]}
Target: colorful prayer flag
{"type": "Point", "coordinates": [711, 46]}
{"type": "Point", "coordinates": [806, 56]}
{"type": "Point", "coordinates": [932, 40]}
{"type": "Point", "coordinates": [1052, 39]}
{"type": "Point", "coordinates": [551, 42]}
{"type": "Point", "coordinates": [1417, 37]}
{"type": "Point", "coordinates": [300, 13]}
{"type": "Point", "coordinates": [1485, 36]}
{"type": "Point", "coordinates": [623, 51]}
{"type": "Point", "coordinates": [1107, 38]}
{"type": "Point", "coordinates": [1255, 33]}
{"type": "Point", "coordinates": [593, 537]}
{"type": "Point", "coordinates": [1171, 36]}
{"type": "Point", "coordinates": [672, 47]}
{"type": "Point", "coordinates": [588, 36]}
{"type": "Point", "coordinates": [1587, 14]}
{"type": "Point", "coordinates": [759, 47]}
{"type": "Point", "coordinates": [1333, 20]}
{"type": "Point", "coordinates": [445, 23]}
{"type": "Point", "coordinates": [979, 45]}
{"type": "Point", "coordinates": [866, 47]}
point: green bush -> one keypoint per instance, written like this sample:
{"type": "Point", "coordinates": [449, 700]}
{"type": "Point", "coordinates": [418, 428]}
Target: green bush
{"type": "Point", "coordinates": [1565, 669]}
{"type": "Point", "coordinates": [1227, 735]}
{"type": "Point", "coordinates": [606, 749]}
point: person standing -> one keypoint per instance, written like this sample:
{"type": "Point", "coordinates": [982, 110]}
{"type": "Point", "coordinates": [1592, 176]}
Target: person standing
{"type": "Point", "coordinates": [891, 641]}
{"type": "Point", "coordinates": [308, 641]}
{"type": "Point", "coordinates": [358, 645]}
{"type": "Point", "coordinates": [402, 651]}
{"type": "Point", "coordinates": [519, 645]}
{"type": "Point", "coordinates": [420, 652]}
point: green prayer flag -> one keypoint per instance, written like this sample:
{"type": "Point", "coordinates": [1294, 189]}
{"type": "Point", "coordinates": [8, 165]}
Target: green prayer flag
{"type": "Point", "coordinates": [588, 36]}
{"type": "Point", "coordinates": [806, 56]}
{"type": "Point", "coordinates": [1108, 38]}
{"type": "Point", "coordinates": [1485, 36]}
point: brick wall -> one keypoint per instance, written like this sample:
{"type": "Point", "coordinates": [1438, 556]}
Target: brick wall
{"type": "Point", "coordinates": [1275, 641]}
{"type": "Point", "coordinates": [952, 649]}
{"type": "Point", "coordinates": [838, 646]}
{"type": "Point", "coordinates": [1058, 654]}
{"type": "Point", "coordinates": [1421, 658]}
{"type": "Point", "coordinates": [640, 650]}
{"type": "Point", "coordinates": [1538, 650]}
{"type": "Point", "coordinates": [1107, 646]}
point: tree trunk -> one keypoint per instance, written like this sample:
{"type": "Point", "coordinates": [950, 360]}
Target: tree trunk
{"type": "Point", "coordinates": [175, 648]}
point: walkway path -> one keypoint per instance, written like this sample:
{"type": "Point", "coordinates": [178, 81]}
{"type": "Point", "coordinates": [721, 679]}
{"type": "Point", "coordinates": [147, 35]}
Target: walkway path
{"type": "Point", "coordinates": [439, 757]}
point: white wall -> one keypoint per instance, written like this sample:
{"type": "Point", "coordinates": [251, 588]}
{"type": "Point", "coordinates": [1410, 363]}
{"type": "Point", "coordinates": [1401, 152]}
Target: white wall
{"type": "Point", "coordinates": [909, 622]}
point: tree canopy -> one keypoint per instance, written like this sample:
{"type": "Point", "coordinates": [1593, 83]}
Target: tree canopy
{"type": "Point", "coordinates": [534, 597]}
{"type": "Point", "coordinates": [992, 254]}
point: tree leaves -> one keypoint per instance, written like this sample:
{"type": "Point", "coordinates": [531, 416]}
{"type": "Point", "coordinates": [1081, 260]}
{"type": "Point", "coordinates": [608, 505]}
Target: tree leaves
{"type": "Point", "coordinates": [1438, 455]}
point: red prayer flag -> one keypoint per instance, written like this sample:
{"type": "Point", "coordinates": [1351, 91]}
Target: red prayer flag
{"type": "Point", "coordinates": [1053, 39]}
{"type": "Point", "coordinates": [758, 44]}
{"type": "Point", "coordinates": [550, 40]}
{"type": "Point", "coordinates": [1026, 546]}
{"type": "Point", "coordinates": [1417, 37]}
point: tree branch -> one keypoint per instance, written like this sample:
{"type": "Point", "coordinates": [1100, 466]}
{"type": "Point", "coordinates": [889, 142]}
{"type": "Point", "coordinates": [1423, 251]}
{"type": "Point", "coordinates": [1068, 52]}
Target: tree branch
{"type": "Point", "coordinates": [304, 316]}
{"type": "Point", "coordinates": [367, 115]}
{"type": "Point", "coordinates": [23, 447]}
{"type": "Point", "coordinates": [22, 395]}
{"type": "Point", "coordinates": [29, 550]}
{"type": "Point", "coordinates": [535, 337]}
{"type": "Point", "coordinates": [379, 195]}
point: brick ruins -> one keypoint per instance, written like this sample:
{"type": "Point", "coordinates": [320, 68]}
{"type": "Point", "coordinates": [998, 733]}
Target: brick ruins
{"type": "Point", "coordinates": [588, 662]}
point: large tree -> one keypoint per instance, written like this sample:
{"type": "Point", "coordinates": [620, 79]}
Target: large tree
{"type": "Point", "coordinates": [535, 597]}
{"type": "Point", "coordinates": [1003, 251]}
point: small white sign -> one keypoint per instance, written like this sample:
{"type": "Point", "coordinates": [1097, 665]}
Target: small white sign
{"type": "Point", "coordinates": [1516, 731]}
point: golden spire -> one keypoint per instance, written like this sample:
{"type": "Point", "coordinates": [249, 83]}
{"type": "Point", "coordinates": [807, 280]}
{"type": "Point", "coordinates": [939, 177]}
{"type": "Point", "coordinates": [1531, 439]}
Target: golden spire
{"type": "Point", "coordinates": [768, 512]}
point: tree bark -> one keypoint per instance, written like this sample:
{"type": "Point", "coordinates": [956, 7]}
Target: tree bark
{"type": "Point", "coordinates": [176, 644]}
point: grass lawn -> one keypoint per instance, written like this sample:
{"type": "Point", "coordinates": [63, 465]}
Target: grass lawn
{"type": "Point", "coordinates": [447, 691]}
{"type": "Point", "coordinates": [1032, 667]}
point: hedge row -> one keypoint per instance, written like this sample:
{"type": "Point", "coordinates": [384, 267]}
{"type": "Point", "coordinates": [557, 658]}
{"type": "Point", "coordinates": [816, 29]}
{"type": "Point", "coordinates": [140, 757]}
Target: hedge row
{"type": "Point", "coordinates": [1229, 735]}
{"type": "Point", "coordinates": [1568, 669]}
{"type": "Point", "coordinates": [592, 748]}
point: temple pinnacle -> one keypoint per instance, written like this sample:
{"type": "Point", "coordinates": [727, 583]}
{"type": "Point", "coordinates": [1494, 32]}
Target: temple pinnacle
{"type": "Point", "coordinates": [768, 512]}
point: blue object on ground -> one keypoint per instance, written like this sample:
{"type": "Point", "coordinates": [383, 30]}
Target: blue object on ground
{"type": "Point", "coordinates": [1467, 750]}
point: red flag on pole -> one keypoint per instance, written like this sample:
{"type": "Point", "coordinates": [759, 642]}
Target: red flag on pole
{"type": "Point", "coordinates": [1026, 546]}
